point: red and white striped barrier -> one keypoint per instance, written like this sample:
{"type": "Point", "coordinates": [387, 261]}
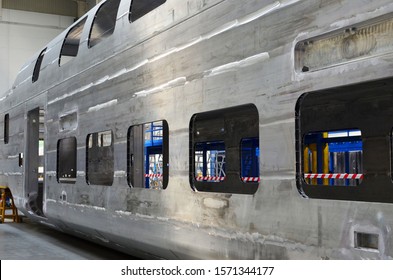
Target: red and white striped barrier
{"type": "Point", "coordinates": [216, 179]}
{"type": "Point", "coordinates": [210, 178]}
{"type": "Point", "coordinates": [153, 175]}
{"type": "Point", "coordinates": [257, 179]}
{"type": "Point", "coordinates": [251, 179]}
{"type": "Point", "coordinates": [334, 176]}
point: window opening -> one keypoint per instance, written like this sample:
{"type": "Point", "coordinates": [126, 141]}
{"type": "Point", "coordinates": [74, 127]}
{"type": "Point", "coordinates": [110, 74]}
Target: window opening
{"type": "Point", "coordinates": [37, 67]}
{"type": "Point", "coordinates": [333, 158]}
{"type": "Point", "coordinates": [6, 128]}
{"type": "Point", "coordinates": [35, 156]}
{"type": "Point", "coordinates": [139, 8]}
{"type": "Point", "coordinates": [224, 150]}
{"type": "Point", "coordinates": [66, 160]}
{"type": "Point", "coordinates": [148, 155]}
{"type": "Point", "coordinates": [104, 22]}
{"type": "Point", "coordinates": [100, 162]}
{"type": "Point", "coordinates": [71, 42]}
{"type": "Point", "coordinates": [342, 147]}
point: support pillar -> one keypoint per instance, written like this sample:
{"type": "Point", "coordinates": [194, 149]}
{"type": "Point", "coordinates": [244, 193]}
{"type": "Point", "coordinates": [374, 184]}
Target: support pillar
{"type": "Point", "coordinates": [325, 167]}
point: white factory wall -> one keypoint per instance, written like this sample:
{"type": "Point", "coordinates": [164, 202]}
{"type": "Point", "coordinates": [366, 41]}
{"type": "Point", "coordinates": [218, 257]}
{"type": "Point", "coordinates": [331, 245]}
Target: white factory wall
{"type": "Point", "coordinates": [23, 35]}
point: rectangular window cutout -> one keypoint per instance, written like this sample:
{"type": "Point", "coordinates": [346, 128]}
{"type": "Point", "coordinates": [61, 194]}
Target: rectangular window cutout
{"type": "Point", "coordinates": [342, 140]}
{"type": "Point", "coordinates": [104, 22]}
{"type": "Point", "coordinates": [148, 155]}
{"type": "Point", "coordinates": [71, 42]}
{"type": "Point", "coordinates": [210, 161]}
{"type": "Point", "coordinates": [100, 162]}
{"type": "Point", "coordinates": [333, 158]}
{"type": "Point", "coordinates": [366, 241]}
{"type": "Point", "coordinates": [6, 128]}
{"type": "Point", "coordinates": [66, 160]}
{"type": "Point", "coordinates": [139, 8]}
{"type": "Point", "coordinates": [224, 150]}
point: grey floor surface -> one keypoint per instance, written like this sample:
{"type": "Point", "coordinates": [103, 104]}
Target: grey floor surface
{"type": "Point", "coordinates": [32, 241]}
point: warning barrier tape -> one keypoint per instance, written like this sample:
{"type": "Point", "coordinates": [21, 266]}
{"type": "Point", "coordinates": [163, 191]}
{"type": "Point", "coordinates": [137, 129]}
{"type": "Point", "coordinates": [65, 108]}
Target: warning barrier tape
{"type": "Point", "coordinates": [210, 178]}
{"type": "Point", "coordinates": [251, 179]}
{"type": "Point", "coordinates": [334, 176]}
{"type": "Point", "coordinates": [153, 175]}
{"type": "Point", "coordinates": [257, 179]}
{"type": "Point", "coordinates": [217, 178]}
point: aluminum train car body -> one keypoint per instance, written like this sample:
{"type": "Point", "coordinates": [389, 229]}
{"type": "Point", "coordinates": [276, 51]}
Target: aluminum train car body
{"type": "Point", "coordinates": [211, 129]}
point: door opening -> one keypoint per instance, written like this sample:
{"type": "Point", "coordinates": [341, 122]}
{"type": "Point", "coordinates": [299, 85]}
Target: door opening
{"type": "Point", "coordinates": [35, 160]}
